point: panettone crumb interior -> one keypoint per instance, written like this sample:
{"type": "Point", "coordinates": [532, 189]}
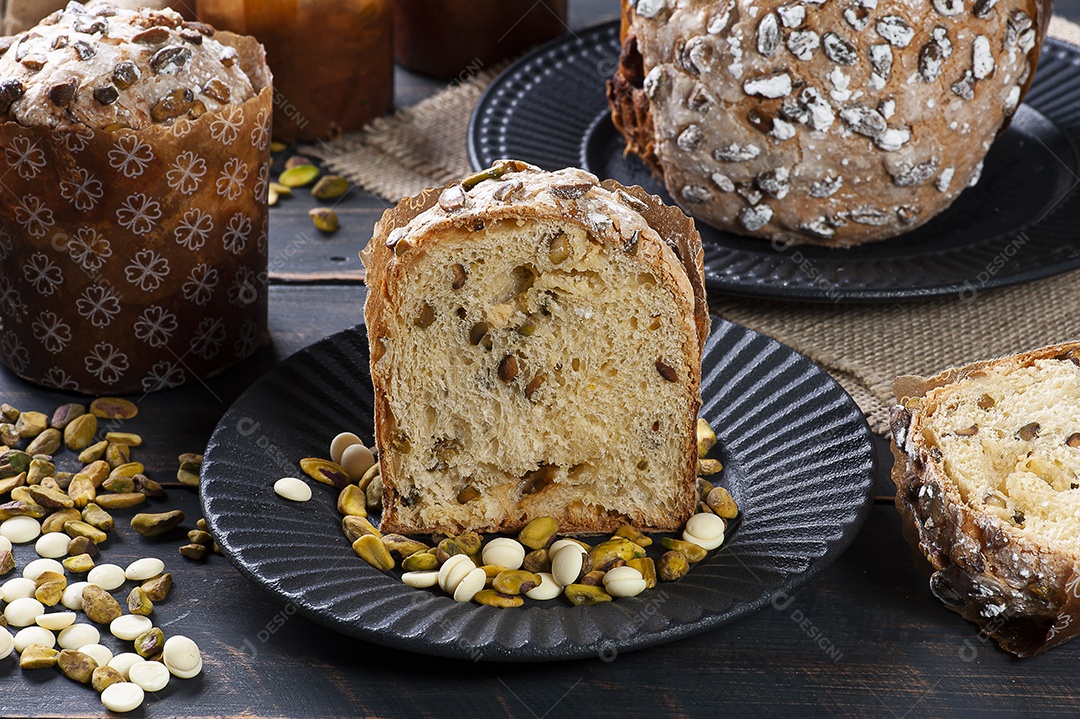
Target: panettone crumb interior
{"type": "Point", "coordinates": [1010, 440]}
{"type": "Point", "coordinates": [534, 370]}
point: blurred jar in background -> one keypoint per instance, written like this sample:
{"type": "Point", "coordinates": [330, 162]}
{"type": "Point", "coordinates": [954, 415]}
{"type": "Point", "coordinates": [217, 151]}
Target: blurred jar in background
{"type": "Point", "coordinates": [451, 39]}
{"type": "Point", "coordinates": [332, 60]}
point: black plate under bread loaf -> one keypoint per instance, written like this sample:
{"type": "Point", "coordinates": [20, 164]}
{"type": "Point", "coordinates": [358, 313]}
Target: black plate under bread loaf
{"type": "Point", "coordinates": [797, 458]}
{"type": "Point", "coordinates": [1017, 224]}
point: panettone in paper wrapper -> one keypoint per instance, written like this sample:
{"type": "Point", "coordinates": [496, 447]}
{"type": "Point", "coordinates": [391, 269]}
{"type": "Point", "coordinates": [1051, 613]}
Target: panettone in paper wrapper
{"type": "Point", "coordinates": [133, 260]}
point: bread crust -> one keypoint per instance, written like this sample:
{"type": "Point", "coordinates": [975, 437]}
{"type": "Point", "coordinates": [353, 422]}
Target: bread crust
{"type": "Point", "coordinates": [1022, 593]}
{"type": "Point", "coordinates": [665, 240]}
{"type": "Point", "coordinates": [821, 123]}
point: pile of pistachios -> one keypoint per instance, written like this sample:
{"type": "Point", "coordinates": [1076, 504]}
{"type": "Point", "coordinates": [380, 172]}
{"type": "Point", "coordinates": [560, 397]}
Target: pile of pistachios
{"type": "Point", "coordinates": [536, 564]}
{"type": "Point", "coordinates": [302, 172]}
{"type": "Point", "coordinates": [66, 515]}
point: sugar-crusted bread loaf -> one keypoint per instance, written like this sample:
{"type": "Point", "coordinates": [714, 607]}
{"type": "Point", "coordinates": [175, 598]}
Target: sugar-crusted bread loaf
{"type": "Point", "coordinates": [988, 476]}
{"type": "Point", "coordinates": [830, 123]}
{"type": "Point", "coordinates": [536, 349]}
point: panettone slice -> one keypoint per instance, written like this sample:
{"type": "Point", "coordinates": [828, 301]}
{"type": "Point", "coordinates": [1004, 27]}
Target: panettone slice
{"type": "Point", "coordinates": [536, 351]}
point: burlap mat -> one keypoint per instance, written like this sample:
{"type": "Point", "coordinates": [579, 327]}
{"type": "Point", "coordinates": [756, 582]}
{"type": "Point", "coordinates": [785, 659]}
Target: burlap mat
{"type": "Point", "coordinates": [863, 346]}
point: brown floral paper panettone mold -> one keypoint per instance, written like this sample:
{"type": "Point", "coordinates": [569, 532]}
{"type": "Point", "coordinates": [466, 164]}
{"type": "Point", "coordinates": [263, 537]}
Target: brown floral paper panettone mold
{"type": "Point", "coordinates": [132, 261]}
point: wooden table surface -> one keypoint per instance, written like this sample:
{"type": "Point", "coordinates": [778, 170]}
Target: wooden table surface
{"type": "Point", "coordinates": [866, 638]}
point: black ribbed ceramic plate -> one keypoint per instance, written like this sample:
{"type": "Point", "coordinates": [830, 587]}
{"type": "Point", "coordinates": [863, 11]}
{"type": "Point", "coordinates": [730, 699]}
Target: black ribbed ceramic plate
{"type": "Point", "coordinates": [1017, 224]}
{"type": "Point", "coordinates": [797, 458]}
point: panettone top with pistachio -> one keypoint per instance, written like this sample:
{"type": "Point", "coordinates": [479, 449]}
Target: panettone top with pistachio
{"type": "Point", "coordinates": [108, 67]}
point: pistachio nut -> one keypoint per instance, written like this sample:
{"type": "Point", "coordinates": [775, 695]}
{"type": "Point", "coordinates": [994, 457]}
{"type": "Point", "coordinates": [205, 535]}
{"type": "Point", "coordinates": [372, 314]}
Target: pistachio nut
{"type": "Point", "coordinates": [55, 522]}
{"type": "Point", "coordinates": [492, 598]}
{"type": "Point", "coordinates": [194, 551]}
{"type": "Point", "coordinates": [97, 472]}
{"type": "Point", "coordinates": [158, 588]}
{"type": "Point", "coordinates": [97, 517]}
{"type": "Point", "coordinates": [105, 677]}
{"type": "Point", "coordinates": [79, 433]}
{"type": "Point", "coordinates": [65, 413]}
{"type": "Point", "coordinates": [594, 578]}
{"type": "Point", "coordinates": [693, 552]}
{"type": "Point", "coordinates": [706, 438]}
{"type": "Point", "coordinates": [38, 656]}
{"type": "Point", "coordinates": [113, 408]}
{"type": "Point", "coordinates": [579, 594]}
{"type": "Point", "coordinates": [559, 248]}
{"type": "Point", "coordinates": [156, 524]}
{"type": "Point", "coordinates": [79, 563]}
{"type": "Point", "coordinates": [120, 484]}
{"type": "Point", "coordinates": [420, 562]}
{"type": "Point", "coordinates": [538, 533]}
{"type": "Point", "coordinates": [271, 196]}
{"type": "Point", "coordinates": [403, 546]}
{"type": "Point", "coordinates": [193, 458]}
{"type": "Point", "coordinates": [7, 562]}
{"type": "Point", "coordinates": [147, 486]}
{"type": "Point", "coordinates": [22, 494]}
{"type": "Point", "coordinates": [188, 473]}
{"type": "Point", "coordinates": [120, 501]}
{"type": "Point", "coordinates": [605, 553]}
{"type": "Point", "coordinates": [150, 644]}
{"type": "Point", "coordinates": [45, 443]}
{"type": "Point", "coordinates": [374, 552]}
{"type": "Point", "coordinates": [6, 485]}
{"type": "Point", "coordinates": [76, 666]}
{"type": "Point", "coordinates": [197, 536]}
{"type": "Point", "coordinates": [721, 502]}
{"type": "Point", "coordinates": [330, 187]}
{"type": "Point", "coordinates": [634, 535]}
{"type": "Point", "coordinates": [515, 581]}
{"type": "Point", "coordinates": [93, 452]}
{"type": "Point", "coordinates": [470, 542]}
{"type": "Point", "coordinates": [40, 469]}
{"type": "Point", "coordinates": [99, 606]}
{"type": "Point", "coordinates": [537, 561]}
{"type": "Point", "coordinates": [117, 454]}
{"type": "Point", "coordinates": [325, 471]}
{"type": "Point", "coordinates": [647, 567]}
{"type": "Point", "coordinates": [492, 173]}
{"type": "Point", "coordinates": [78, 528]}
{"type": "Point", "coordinates": [129, 438]}
{"type": "Point", "coordinates": [282, 190]}
{"type": "Point", "coordinates": [373, 494]}
{"type": "Point", "coordinates": [9, 435]}
{"type": "Point", "coordinates": [356, 527]}
{"type": "Point", "coordinates": [277, 146]}
{"type": "Point", "coordinates": [21, 507]}
{"type": "Point", "coordinates": [31, 424]}
{"type": "Point", "coordinates": [81, 490]}
{"type": "Point", "coordinates": [324, 219]}
{"type": "Point", "coordinates": [129, 469]}
{"type": "Point", "coordinates": [9, 413]}
{"type": "Point", "coordinates": [139, 603]}
{"type": "Point", "coordinates": [299, 175]}
{"type": "Point", "coordinates": [672, 565]}
{"type": "Point", "coordinates": [50, 588]}
{"type": "Point", "coordinates": [704, 486]}
{"type": "Point", "coordinates": [82, 545]}
{"type": "Point", "coordinates": [14, 461]}
{"type": "Point", "coordinates": [50, 498]}
{"type": "Point", "coordinates": [708, 467]}
{"type": "Point", "coordinates": [372, 473]}
{"type": "Point", "coordinates": [352, 500]}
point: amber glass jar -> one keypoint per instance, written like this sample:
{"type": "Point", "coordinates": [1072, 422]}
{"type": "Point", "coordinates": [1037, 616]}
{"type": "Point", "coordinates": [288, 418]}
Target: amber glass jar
{"type": "Point", "coordinates": [332, 60]}
{"type": "Point", "coordinates": [451, 39]}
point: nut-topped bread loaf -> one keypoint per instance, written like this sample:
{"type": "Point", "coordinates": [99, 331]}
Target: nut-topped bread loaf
{"type": "Point", "coordinates": [536, 346]}
{"type": "Point", "coordinates": [831, 123]}
{"type": "Point", "coordinates": [988, 477]}
{"type": "Point", "coordinates": [104, 65]}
